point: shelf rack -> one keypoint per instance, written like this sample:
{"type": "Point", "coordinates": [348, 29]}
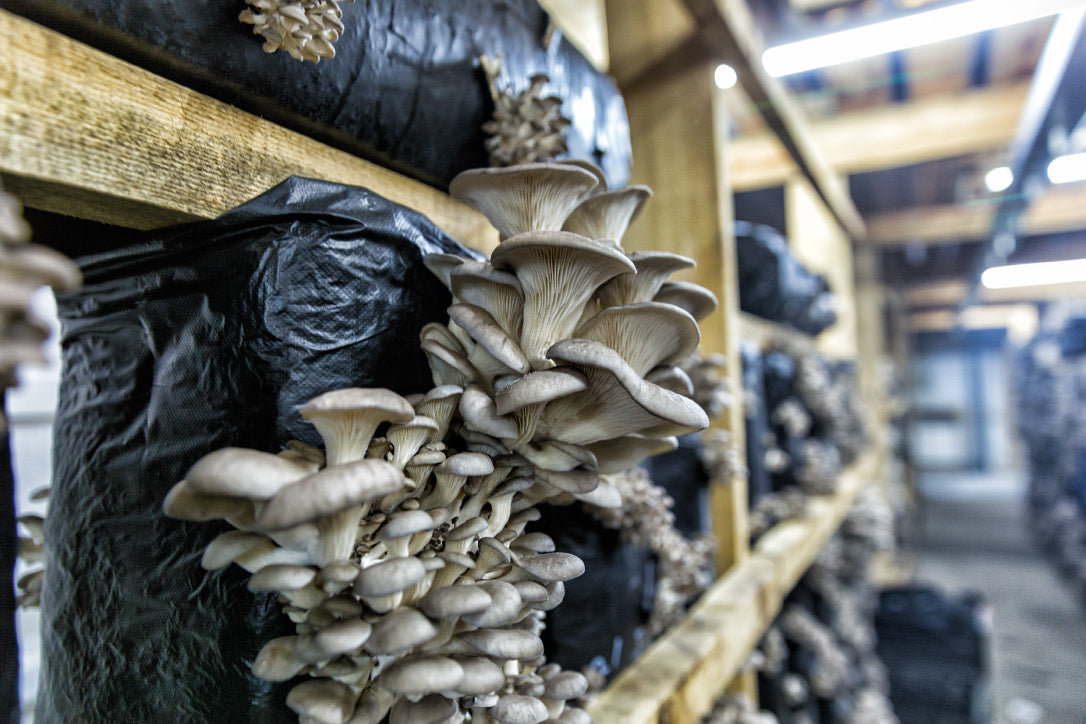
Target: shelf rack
{"type": "Point", "coordinates": [85, 134]}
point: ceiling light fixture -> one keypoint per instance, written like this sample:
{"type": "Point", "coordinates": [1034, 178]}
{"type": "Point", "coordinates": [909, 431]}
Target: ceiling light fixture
{"type": "Point", "coordinates": [913, 30]}
{"type": "Point", "coordinates": [1065, 169]}
{"type": "Point", "coordinates": [1031, 275]}
{"type": "Point", "coordinates": [725, 76]}
{"type": "Point", "coordinates": [998, 179]}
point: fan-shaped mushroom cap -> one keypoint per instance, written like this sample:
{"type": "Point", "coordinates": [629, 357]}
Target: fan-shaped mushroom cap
{"type": "Point", "coordinates": [330, 491]}
{"type": "Point", "coordinates": [241, 473]}
{"type": "Point", "coordinates": [556, 455]}
{"type": "Point", "coordinates": [421, 675]}
{"type": "Point", "coordinates": [448, 367]}
{"type": "Point", "coordinates": [346, 419]}
{"type": "Point", "coordinates": [653, 269]}
{"type": "Point", "coordinates": [566, 685]}
{"type": "Point", "coordinates": [498, 292]}
{"type": "Point", "coordinates": [526, 397]}
{"type": "Point", "coordinates": [694, 298]}
{"type": "Point", "coordinates": [481, 676]}
{"type": "Point", "coordinates": [438, 332]}
{"type": "Point", "coordinates": [528, 197]}
{"type": "Point", "coordinates": [622, 453]}
{"type": "Point", "coordinates": [467, 464]}
{"type": "Point", "coordinates": [559, 272]}
{"type": "Point", "coordinates": [504, 643]}
{"type": "Point", "coordinates": [607, 215]}
{"type": "Point", "coordinates": [504, 607]}
{"type": "Point", "coordinates": [42, 265]}
{"type": "Point", "coordinates": [276, 660]}
{"type": "Point", "coordinates": [531, 591]}
{"type": "Point", "coordinates": [490, 338]}
{"type": "Point", "coordinates": [466, 530]}
{"type": "Point", "coordinates": [517, 709]}
{"type": "Point", "coordinates": [478, 410]}
{"type": "Point", "coordinates": [672, 378]}
{"type": "Point", "coordinates": [405, 523]}
{"type": "Point", "coordinates": [401, 629]}
{"type": "Point", "coordinates": [388, 577]}
{"type": "Point", "coordinates": [442, 265]}
{"type": "Point", "coordinates": [225, 547]}
{"type": "Point", "coordinates": [646, 334]}
{"type": "Point", "coordinates": [322, 700]}
{"type": "Point", "coordinates": [571, 715]}
{"type": "Point", "coordinates": [408, 437]}
{"type": "Point", "coordinates": [601, 177]}
{"type": "Point", "coordinates": [432, 709]}
{"type": "Point", "coordinates": [606, 495]}
{"type": "Point", "coordinates": [185, 504]}
{"type": "Point", "coordinates": [341, 637]}
{"type": "Point", "coordinates": [617, 403]}
{"type": "Point", "coordinates": [535, 542]}
{"type": "Point", "coordinates": [440, 403]}
{"type": "Point", "coordinates": [282, 577]}
{"type": "Point", "coordinates": [551, 567]}
{"type": "Point", "coordinates": [454, 601]}
{"type": "Point", "coordinates": [570, 481]}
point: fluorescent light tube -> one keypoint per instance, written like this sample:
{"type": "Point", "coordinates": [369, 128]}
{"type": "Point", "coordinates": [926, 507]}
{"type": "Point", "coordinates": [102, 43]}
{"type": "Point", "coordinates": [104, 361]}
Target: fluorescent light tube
{"type": "Point", "coordinates": [954, 21]}
{"type": "Point", "coordinates": [1030, 275]}
{"type": "Point", "coordinates": [1065, 169]}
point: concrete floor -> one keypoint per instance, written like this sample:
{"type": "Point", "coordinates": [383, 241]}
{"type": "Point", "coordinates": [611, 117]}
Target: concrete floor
{"type": "Point", "coordinates": [972, 536]}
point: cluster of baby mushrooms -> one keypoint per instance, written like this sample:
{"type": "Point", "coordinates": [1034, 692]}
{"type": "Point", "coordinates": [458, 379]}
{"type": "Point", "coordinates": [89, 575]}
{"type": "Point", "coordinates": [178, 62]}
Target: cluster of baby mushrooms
{"type": "Point", "coordinates": [526, 127]}
{"type": "Point", "coordinates": [399, 550]}
{"type": "Point", "coordinates": [306, 29]}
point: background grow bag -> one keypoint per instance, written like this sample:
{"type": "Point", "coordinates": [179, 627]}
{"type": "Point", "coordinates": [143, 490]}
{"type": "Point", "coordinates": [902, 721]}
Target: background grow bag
{"type": "Point", "coordinates": [203, 336]}
{"type": "Point", "coordinates": [403, 89]}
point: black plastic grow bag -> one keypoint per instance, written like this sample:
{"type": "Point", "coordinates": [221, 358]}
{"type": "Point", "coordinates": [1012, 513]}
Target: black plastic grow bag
{"type": "Point", "coordinates": [204, 336]}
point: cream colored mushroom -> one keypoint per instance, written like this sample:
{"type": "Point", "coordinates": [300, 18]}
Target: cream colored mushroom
{"type": "Point", "coordinates": [400, 631]}
{"type": "Point", "coordinates": [526, 398]}
{"type": "Point", "coordinates": [346, 419]}
{"type": "Point", "coordinates": [622, 453]}
{"type": "Point", "coordinates": [605, 216]}
{"type": "Point", "coordinates": [495, 352]}
{"type": "Point", "coordinates": [322, 700]}
{"type": "Point", "coordinates": [498, 292]}
{"type": "Point", "coordinates": [440, 404]}
{"type": "Point", "coordinates": [383, 584]}
{"type": "Point", "coordinates": [478, 410]}
{"type": "Point", "coordinates": [695, 299]}
{"type": "Point", "coordinates": [408, 437]}
{"type": "Point", "coordinates": [653, 269]}
{"type": "Point", "coordinates": [646, 335]}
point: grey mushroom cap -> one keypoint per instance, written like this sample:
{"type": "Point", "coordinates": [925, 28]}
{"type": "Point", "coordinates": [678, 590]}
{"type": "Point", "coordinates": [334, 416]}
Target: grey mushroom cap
{"type": "Point", "coordinates": [330, 491]}
{"type": "Point", "coordinates": [406, 523]}
{"type": "Point", "coordinates": [557, 455]}
{"type": "Point", "coordinates": [454, 601]}
{"type": "Point", "coordinates": [517, 709]}
{"type": "Point", "coordinates": [601, 177]}
{"type": "Point", "coordinates": [566, 685]}
{"type": "Point", "coordinates": [540, 387]}
{"type": "Point", "coordinates": [622, 453]}
{"type": "Point", "coordinates": [653, 269]}
{"type": "Point", "coordinates": [185, 504]}
{"type": "Point", "coordinates": [498, 292]}
{"type": "Point", "coordinates": [525, 197]}
{"type": "Point", "coordinates": [531, 591]}
{"type": "Point", "coordinates": [342, 637]}
{"type": "Point", "coordinates": [276, 660]}
{"type": "Point", "coordinates": [572, 481]}
{"type": "Point", "coordinates": [468, 529]}
{"type": "Point", "coordinates": [281, 577]}
{"type": "Point", "coordinates": [698, 301]}
{"type": "Point", "coordinates": [608, 214]}
{"type": "Point", "coordinates": [606, 495]}
{"type": "Point", "coordinates": [449, 367]}
{"type": "Point", "coordinates": [421, 675]}
{"type": "Point", "coordinates": [478, 410]}
{"type": "Point", "coordinates": [504, 608]}
{"type": "Point", "coordinates": [322, 700]}
{"type": "Point", "coordinates": [389, 577]}
{"type": "Point", "coordinates": [552, 567]}
{"type": "Point", "coordinates": [242, 473]}
{"type": "Point", "coordinates": [481, 676]}
{"type": "Point", "coordinates": [504, 643]}
{"type": "Point", "coordinates": [427, 457]}
{"type": "Point", "coordinates": [536, 542]}
{"type": "Point", "coordinates": [399, 630]}
{"type": "Point", "coordinates": [646, 335]}
{"type": "Point", "coordinates": [672, 378]}
{"type": "Point", "coordinates": [572, 715]}
{"type": "Point", "coordinates": [488, 334]}
{"type": "Point", "coordinates": [393, 407]}
{"type": "Point", "coordinates": [513, 485]}
{"type": "Point", "coordinates": [468, 463]}
{"type": "Point", "coordinates": [340, 572]}
{"type": "Point", "coordinates": [442, 265]}
{"type": "Point", "coordinates": [431, 709]}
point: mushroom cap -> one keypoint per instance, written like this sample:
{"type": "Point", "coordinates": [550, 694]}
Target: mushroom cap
{"type": "Point", "coordinates": [405, 523]}
{"type": "Point", "coordinates": [531, 591]}
{"type": "Point", "coordinates": [427, 457]}
{"type": "Point", "coordinates": [646, 334]}
{"type": "Point", "coordinates": [504, 607]}
{"type": "Point", "coordinates": [225, 547]}
{"type": "Point", "coordinates": [342, 637]}
{"type": "Point", "coordinates": [421, 675]}
{"type": "Point", "coordinates": [322, 700]}
{"type": "Point", "coordinates": [468, 529]}
{"type": "Point", "coordinates": [481, 676]}
{"type": "Point", "coordinates": [485, 330]}
{"type": "Point", "coordinates": [454, 601]}
{"type": "Point", "coordinates": [393, 407]}
{"type": "Point", "coordinates": [467, 463]}
{"type": "Point", "coordinates": [607, 215]}
{"type": "Point", "coordinates": [438, 332]}
{"type": "Point", "coordinates": [281, 577]}
{"type": "Point", "coordinates": [456, 559]}
{"type": "Point", "coordinates": [570, 481]}
{"type": "Point", "coordinates": [511, 486]}
{"type": "Point", "coordinates": [694, 298]}
{"type": "Point", "coordinates": [517, 709]}
{"type": "Point", "coordinates": [557, 455]}
{"type": "Point", "coordinates": [448, 364]}
{"type": "Point", "coordinates": [559, 272]}
{"type": "Point", "coordinates": [276, 661]}
{"type": "Point", "coordinates": [241, 473]}
{"type": "Point", "coordinates": [572, 715]}
{"type": "Point", "coordinates": [43, 265]}
{"type": "Point", "coordinates": [389, 576]}
{"type": "Point", "coordinates": [524, 197]}
{"type": "Point", "coordinates": [606, 495]}
{"type": "Point", "coordinates": [431, 709]}
{"type": "Point", "coordinates": [552, 567]}
{"type": "Point", "coordinates": [185, 504]}
{"type": "Point", "coordinates": [498, 292]}
{"type": "Point", "coordinates": [504, 643]}
{"type": "Point", "coordinates": [442, 265]}
{"type": "Point", "coordinates": [441, 392]}
{"type": "Point", "coordinates": [330, 491]}
{"type": "Point", "coordinates": [539, 387]}
{"type": "Point", "coordinates": [622, 453]}
{"type": "Point", "coordinates": [672, 378]}
{"type": "Point", "coordinates": [566, 685]}
{"type": "Point", "coordinates": [340, 572]}
{"type": "Point", "coordinates": [401, 629]}
{"type": "Point", "coordinates": [601, 177]}
{"type": "Point", "coordinates": [535, 541]}
{"type": "Point", "coordinates": [653, 269]}
{"type": "Point", "coordinates": [477, 409]}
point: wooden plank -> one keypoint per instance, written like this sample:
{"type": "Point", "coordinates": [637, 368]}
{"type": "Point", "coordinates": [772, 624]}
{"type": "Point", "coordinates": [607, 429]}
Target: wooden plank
{"type": "Point", "coordinates": [763, 331]}
{"type": "Point", "coordinates": [641, 33]}
{"type": "Point", "coordinates": [85, 134]}
{"type": "Point", "coordinates": [921, 130]}
{"type": "Point", "coordinates": [1056, 210]}
{"type": "Point", "coordinates": [679, 677]}
{"type": "Point", "coordinates": [584, 23]}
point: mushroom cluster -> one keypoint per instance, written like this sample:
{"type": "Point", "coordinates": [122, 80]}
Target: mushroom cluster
{"type": "Point", "coordinates": [399, 550]}
{"type": "Point", "coordinates": [737, 709]}
{"type": "Point", "coordinates": [306, 29]}
{"type": "Point", "coordinates": [776, 507]}
{"type": "Point", "coordinates": [526, 127]}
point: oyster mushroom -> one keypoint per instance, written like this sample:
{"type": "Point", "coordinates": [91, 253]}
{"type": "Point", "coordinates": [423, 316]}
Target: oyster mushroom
{"type": "Point", "coordinates": [346, 419]}
{"type": "Point", "coordinates": [622, 453]}
{"type": "Point", "coordinates": [432, 709]}
{"type": "Point", "coordinates": [440, 404]}
{"type": "Point", "coordinates": [443, 265]}
{"type": "Point", "coordinates": [448, 367]}
{"type": "Point", "coordinates": [517, 709]}
{"type": "Point", "coordinates": [400, 631]}
{"type": "Point", "coordinates": [647, 335]}
{"type": "Point", "coordinates": [322, 700]}
{"type": "Point", "coordinates": [526, 398]}
{"type": "Point", "coordinates": [505, 606]}
{"type": "Point", "coordinates": [408, 437]}
{"type": "Point", "coordinates": [605, 216]}
{"type": "Point", "coordinates": [420, 675]}
{"type": "Point", "coordinates": [406, 532]}
{"type": "Point", "coordinates": [559, 273]}
{"type": "Point", "coordinates": [478, 410]}
{"type": "Point", "coordinates": [382, 585]}
{"type": "Point", "coordinates": [695, 299]}
{"type": "Point", "coordinates": [495, 352]}
{"type": "Point", "coordinates": [672, 378]}
{"type": "Point", "coordinates": [529, 197]}
{"type": "Point", "coordinates": [653, 269]}
{"type": "Point", "coordinates": [481, 676]}
{"type": "Point", "coordinates": [451, 475]}
{"type": "Point", "coordinates": [503, 643]}
{"type": "Point", "coordinates": [498, 292]}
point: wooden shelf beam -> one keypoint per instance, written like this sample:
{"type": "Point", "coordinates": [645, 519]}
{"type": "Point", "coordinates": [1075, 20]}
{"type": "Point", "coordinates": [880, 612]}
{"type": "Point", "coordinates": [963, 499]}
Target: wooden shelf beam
{"type": "Point", "coordinates": [681, 675]}
{"type": "Point", "coordinates": [887, 137]}
{"type": "Point", "coordinates": [87, 135]}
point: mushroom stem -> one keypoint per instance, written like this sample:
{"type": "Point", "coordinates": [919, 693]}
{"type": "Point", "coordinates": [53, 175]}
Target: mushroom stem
{"type": "Point", "coordinates": [337, 536]}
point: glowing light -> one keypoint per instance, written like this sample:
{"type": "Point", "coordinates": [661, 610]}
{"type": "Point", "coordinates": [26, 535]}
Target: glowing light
{"type": "Point", "coordinates": [923, 28]}
{"type": "Point", "coordinates": [1030, 275]}
{"type": "Point", "coordinates": [725, 76]}
{"type": "Point", "coordinates": [998, 179]}
{"type": "Point", "coordinates": [1065, 169]}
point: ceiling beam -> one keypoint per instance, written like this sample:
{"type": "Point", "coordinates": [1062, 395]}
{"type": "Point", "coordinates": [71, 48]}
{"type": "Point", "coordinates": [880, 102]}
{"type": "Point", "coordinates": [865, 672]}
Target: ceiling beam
{"type": "Point", "coordinates": [1055, 211]}
{"type": "Point", "coordinates": [889, 136]}
{"type": "Point", "coordinates": [981, 316]}
{"type": "Point", "coordinates": [951, 293]}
